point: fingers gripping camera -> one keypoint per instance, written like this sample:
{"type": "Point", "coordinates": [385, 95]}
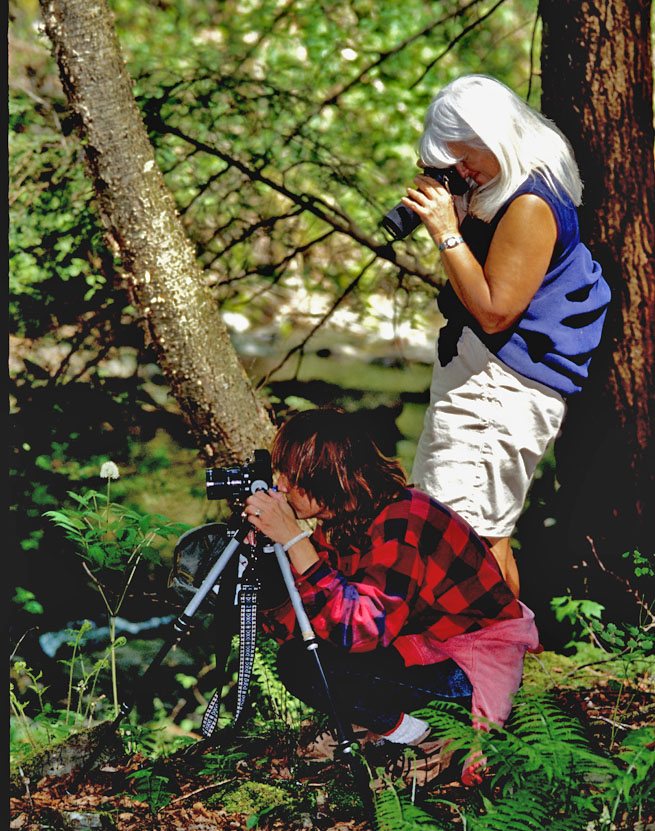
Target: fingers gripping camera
{"type": "Point", "coordinates": [401, 220]}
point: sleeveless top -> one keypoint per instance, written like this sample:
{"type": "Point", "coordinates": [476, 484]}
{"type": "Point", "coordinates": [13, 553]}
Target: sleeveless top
{"type": "Point", "coordinates": [553, 340]}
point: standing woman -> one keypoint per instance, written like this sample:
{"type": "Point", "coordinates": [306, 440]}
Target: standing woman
{"type": "Point", "coordinates": [524, 303]}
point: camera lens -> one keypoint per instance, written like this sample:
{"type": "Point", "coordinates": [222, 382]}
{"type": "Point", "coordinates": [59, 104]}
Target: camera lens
{"type": "Point", "coordinates": [400, 221]}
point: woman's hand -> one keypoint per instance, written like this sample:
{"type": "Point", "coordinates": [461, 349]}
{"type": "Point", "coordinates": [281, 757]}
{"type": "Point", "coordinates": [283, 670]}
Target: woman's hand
{"type": "Point", "coordinates": [434, 205]}
{"type": "Point", "coordinates": [270, 513]}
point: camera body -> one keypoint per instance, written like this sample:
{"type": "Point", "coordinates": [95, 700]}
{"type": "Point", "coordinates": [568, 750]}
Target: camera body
{"type": "Point", "coordinates": [401, 221]}
{"type": "Point", "coordinates": [238, 483]}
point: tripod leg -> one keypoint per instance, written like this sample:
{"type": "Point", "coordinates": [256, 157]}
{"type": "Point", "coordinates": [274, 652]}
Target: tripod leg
{"type": "Point", "coordinates": [346, 742]}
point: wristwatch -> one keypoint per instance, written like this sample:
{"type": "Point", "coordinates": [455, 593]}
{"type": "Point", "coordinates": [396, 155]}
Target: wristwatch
{"type": "Point", "coordinates": [450, 242]}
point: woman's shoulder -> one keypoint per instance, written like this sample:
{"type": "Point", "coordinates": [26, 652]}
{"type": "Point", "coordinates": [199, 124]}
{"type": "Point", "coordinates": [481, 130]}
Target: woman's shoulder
{"type": "Point", "coordinates": [536, 191]}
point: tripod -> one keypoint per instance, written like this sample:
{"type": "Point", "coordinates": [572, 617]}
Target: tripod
{"type": "Point", "coordinates": [346, 745]}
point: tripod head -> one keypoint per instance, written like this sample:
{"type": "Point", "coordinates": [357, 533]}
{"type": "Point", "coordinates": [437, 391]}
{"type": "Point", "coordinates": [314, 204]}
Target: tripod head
{"type": "Point", "coordinates": [198, 550]}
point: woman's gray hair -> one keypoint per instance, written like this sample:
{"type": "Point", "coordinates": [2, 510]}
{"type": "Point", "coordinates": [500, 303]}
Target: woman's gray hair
{"type": "Point", "coordinates": [480, 111]}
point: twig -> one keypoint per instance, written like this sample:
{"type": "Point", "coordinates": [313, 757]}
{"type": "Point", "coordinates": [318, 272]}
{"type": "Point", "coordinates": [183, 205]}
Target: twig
{"type": "Point", "coordinates": [200, 790]}
{"type": "Point", "coordinates": [301, 346]}
{"type": "Point", "coordinates": [615, 724]}
{"type": "Point", "coordinates": [329, 214]}
{"type": "Point", "coordinates": [26, 783]}
{"type": "Point", "coordinates": [383, 56]}
{"type": "Point", "coordinates": [628, 586]}
{"type": "Point", "coordinates": [453, 42]}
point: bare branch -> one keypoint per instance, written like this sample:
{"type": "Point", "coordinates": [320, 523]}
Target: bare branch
{"type": "Point", "coordinates": [628, 586]}
{"type": "Point", "coordinates": [299, 347]}
{"type": "Point", "coordinates": [383, 56]}
{"type": "Point", "coordinates": [452, 43]}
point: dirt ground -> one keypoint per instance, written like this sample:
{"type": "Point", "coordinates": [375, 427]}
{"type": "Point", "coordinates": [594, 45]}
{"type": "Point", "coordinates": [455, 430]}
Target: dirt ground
{"type": "Point", "coordinates": [108, 798]}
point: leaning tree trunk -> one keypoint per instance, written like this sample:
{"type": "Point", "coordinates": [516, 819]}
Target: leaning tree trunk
{"type": "Point", "coordinates": [597, 85]}
{"type": "Point", "coordinates": [180, 317]}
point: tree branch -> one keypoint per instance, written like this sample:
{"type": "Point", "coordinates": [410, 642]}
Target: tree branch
{"type": "Point", "coordinates": [318, 207]}
{"type": "Point", "coordinates": [452, 43]}
{"type": "Point", "coordinates": [299, 347]}
{"type": "Point", "coordinates": [383, 56]}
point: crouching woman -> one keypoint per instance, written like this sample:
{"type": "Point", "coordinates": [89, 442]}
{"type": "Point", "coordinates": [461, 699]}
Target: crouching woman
{"type": "Point", "coordinates": [407, 602]}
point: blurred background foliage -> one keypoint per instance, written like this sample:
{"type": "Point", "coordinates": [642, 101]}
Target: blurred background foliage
{"type": "Point", "coordinates": [285, 130]}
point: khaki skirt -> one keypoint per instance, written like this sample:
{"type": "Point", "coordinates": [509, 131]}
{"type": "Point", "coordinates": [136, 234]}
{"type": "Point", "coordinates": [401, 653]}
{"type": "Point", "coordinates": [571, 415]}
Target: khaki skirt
{"type": "Point", "coordinates": [485, 431]}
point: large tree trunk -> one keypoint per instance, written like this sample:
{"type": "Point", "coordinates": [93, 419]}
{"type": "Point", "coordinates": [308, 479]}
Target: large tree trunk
{"type": "Point", "coordinates": [180, 317]}
{"type": "Point", "coordinates": [597, 81]}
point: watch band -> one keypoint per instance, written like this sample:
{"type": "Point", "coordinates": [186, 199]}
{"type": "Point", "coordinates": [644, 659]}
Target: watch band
{"type": "Point", "coordinates": [450, 242]}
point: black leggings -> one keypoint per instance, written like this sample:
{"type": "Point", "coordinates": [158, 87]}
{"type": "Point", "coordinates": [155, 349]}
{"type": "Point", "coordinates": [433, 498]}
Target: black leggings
{"type": "Point", "coordinates": [371, 689]}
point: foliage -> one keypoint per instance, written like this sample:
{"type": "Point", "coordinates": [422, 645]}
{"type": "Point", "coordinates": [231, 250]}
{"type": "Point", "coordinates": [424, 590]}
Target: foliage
{"type": "Point", "coordinates": [273, 127]}
{"type": "Point", "coordinates": [271, 697]}
{"type": "Point", "coordinates": [151, 785]}
{"type": "Point", "coordinates": [544, 772]}
{"type": "Point", "coordinates": [37, 723]}
{"type": "Point", "coordinates": [112, 541]}
{"type": "Point", "coordinates": [57, 248]}
{"type": "Point", "coordinates": [27, 600]}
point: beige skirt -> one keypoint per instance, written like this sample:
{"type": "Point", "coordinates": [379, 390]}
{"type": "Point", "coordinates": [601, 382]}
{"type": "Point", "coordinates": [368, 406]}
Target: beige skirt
{"type": "Point", "coordinates": [485, 431]}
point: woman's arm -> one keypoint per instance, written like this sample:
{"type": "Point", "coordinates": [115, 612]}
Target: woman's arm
{"type": "Point", "coordinates": [518, 258]}
{"type": "Point", "coordinates": [358, 615]}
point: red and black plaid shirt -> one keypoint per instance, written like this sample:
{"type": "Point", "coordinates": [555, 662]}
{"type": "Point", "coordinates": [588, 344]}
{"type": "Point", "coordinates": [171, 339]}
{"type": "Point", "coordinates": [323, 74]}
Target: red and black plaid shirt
{"type": "Point", "coordinates": [425, 570]}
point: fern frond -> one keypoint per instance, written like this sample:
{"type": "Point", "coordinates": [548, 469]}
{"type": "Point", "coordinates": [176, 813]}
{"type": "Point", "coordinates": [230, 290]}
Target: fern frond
{"type": "Point", "coordinates": [528, 810]}
{"type": "Point", "coordinates": [394, 812]}
{"type": "Point", "coordinates": [388, 811]}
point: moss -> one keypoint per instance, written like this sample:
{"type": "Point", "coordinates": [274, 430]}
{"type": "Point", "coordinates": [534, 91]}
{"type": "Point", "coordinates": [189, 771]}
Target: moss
{"type": "Point", "coordinates": [252, 798]}
{"type": "Point", "coordinates": [343, 801]}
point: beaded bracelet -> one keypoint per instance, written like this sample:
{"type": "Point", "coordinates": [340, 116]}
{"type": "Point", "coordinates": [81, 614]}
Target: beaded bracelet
{"type": "Point", "coordinates": [293, 541]}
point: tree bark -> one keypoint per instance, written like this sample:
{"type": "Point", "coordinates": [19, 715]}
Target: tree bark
{"type": "Point", "coordinates": [597, 82]}
{"type": "Point", "coordinates": [180, 317]}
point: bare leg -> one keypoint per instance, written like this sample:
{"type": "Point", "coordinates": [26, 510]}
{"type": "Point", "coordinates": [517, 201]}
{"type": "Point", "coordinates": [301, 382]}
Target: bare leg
{"type": "Point", "coordinates": [502, 550]}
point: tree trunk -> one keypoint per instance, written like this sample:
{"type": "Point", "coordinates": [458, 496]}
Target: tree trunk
{"type": "Point", "coordinates": [179, 315]}
{"type": "Point", "coordinates": [597, 86]}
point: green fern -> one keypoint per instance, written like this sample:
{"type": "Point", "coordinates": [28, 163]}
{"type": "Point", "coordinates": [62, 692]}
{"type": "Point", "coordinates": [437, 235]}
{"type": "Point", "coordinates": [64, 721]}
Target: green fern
{"type": "Point", "coordinates": [272, 697]}
{"type": "Point", "coordinates": [544, 773]}
{"type": "Point", "coordinates": [394, 812]}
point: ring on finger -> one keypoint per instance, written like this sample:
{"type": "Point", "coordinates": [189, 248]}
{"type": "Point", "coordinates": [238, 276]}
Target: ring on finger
{"type": "Point", "coordinates": [258, 512]}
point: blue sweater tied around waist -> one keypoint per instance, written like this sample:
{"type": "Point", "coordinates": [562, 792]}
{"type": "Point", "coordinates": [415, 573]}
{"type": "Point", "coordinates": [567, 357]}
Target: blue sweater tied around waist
{"type": "Point", "coordinates": [553, 340]}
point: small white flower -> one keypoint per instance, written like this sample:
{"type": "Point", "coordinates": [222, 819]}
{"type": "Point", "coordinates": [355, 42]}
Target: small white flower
{"type": "Point", "coordinates": [109, 471]}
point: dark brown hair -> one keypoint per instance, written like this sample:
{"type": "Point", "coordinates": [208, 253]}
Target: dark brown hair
{"type": "Point", "coordinates": [327, 453]}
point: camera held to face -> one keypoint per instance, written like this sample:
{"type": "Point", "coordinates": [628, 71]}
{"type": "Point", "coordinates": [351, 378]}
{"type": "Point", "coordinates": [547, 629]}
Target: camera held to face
{"type": "Point", "coordinates": [237, 483]}
{"type": "Point", "coordinates": [401, 221]}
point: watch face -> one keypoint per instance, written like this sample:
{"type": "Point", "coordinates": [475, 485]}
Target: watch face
{"type": "Point", "coordinates": [450, 242]}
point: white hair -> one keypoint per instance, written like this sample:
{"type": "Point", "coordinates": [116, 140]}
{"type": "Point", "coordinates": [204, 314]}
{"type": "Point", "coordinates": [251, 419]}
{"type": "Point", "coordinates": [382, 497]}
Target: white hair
{"type": "Point", "coordinates": [481, 112]}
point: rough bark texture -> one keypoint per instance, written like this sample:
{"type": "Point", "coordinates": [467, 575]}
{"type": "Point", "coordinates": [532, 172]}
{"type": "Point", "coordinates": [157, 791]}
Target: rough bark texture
{"type": "Point", "coordinates": [597, 80]}
{"type": "Point", "coordinates": [179, 315]}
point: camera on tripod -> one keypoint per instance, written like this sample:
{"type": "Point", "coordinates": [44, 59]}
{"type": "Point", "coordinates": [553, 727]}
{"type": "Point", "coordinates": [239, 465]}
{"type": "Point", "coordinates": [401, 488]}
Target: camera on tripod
{"type": "Point", "coordinates": [401, 221]}
{"type": "Point", "coordinates": [237, 483]}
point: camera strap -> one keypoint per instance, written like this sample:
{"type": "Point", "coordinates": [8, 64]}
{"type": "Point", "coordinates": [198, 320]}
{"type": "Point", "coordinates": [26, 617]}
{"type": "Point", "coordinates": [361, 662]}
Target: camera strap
{"type": "Point", "coordinates": [247, 645]}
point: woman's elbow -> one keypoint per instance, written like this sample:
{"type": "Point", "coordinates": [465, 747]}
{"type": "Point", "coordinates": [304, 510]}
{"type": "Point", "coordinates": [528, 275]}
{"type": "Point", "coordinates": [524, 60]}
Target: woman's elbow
{"type": "Point", "coordinates": [493, 322]}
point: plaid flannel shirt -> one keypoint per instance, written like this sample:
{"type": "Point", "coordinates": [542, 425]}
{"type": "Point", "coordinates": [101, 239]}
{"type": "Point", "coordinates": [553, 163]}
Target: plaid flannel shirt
{"type": "Point", "coordinates": [425, 571]}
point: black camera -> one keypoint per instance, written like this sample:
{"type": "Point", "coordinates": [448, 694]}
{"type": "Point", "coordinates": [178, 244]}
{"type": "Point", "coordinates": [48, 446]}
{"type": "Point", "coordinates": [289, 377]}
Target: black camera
{"type": "Point", "coordinates": [237, 483]}
{"type": "Point", "coordinates": [401, 221]}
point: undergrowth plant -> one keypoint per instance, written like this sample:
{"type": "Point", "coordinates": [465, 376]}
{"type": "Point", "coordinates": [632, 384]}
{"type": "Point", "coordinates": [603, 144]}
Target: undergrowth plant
{"type": "Point", "coordinates": [35, 722]}
{"type": "Point", "coordinates": [543, 773]}
{"type": "Point", "coordinates": [112, 541]}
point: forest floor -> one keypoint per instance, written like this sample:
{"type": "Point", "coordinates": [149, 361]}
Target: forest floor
{"type": "Point", "coordinates": [267, 788]}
